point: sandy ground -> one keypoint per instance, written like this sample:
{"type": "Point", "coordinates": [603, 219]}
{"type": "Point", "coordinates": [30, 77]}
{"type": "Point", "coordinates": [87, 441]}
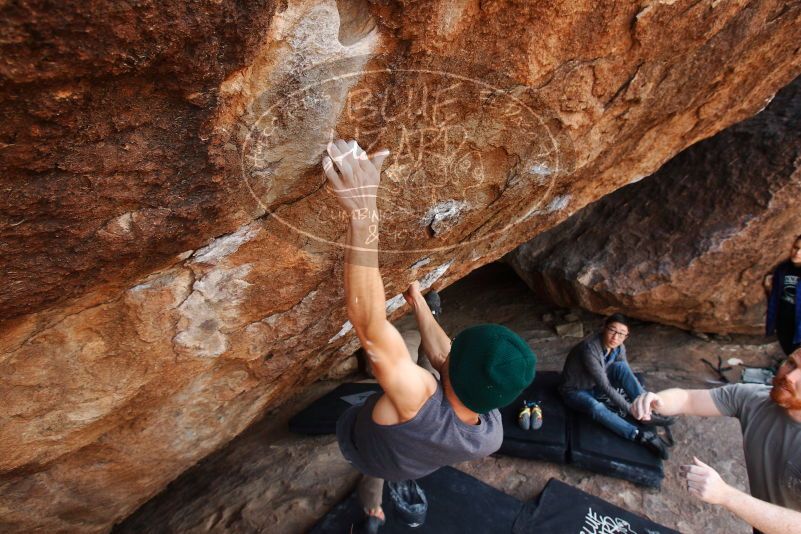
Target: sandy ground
{"type": "Point", "coordinates": [269, 480]}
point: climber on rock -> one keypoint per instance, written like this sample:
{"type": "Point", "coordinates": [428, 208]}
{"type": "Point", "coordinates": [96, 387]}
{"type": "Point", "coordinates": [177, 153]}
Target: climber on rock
{"type": "Point", "coordinates": [595, 368]}
{"type": "Point", "coordinates": [419, 423]}
{"type": "Point", "coordinates": [770, 419]}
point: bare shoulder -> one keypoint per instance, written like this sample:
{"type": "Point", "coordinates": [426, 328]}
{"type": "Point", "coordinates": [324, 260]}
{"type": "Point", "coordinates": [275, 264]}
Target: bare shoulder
{"type": "Point", "coordinates": [406, 390]}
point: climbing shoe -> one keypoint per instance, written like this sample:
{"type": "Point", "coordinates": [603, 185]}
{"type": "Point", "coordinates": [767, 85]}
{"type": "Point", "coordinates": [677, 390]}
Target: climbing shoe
{"type": "Point", "coordinates": [652, 442]}
{"type": "Point", "coordinates": [663, 421]}
{"type": "Point", "coordinates": [410, 502]}
{"type": "Point", "coordinates": [524, 417]}
{"type": "Point", "coordinates": [536, 416]}
{"type": "Point", "coordinates": [434, 303]}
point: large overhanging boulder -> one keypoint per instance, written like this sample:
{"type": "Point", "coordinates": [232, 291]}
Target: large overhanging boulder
{"type": "Point", "coordinates": [689, 245]}
{"type": "Point", "coordinates": [172, 261]}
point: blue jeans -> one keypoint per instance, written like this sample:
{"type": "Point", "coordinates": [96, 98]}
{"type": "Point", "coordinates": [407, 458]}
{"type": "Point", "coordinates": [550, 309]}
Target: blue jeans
{"type": "Point", "coordinates": [586, 400]}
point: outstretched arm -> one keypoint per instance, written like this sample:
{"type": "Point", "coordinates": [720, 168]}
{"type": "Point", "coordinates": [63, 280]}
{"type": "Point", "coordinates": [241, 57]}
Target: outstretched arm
{"type": "Point", "coordinates": [705, 483]}
{"type": "Point", "coordinates": [675, 402]}
{"type": "Point", "coordinates": [356, 188]}
{"type": "Point", "coordinates": [433, 339]}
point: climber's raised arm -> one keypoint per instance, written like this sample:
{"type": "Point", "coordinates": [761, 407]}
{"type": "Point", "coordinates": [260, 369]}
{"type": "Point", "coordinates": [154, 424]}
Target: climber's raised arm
{"type": "Point", "coordinates": [356, 188]}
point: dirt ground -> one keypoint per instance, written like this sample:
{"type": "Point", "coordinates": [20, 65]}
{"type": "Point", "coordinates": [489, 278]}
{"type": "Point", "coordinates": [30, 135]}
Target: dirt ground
{"type": "Point", "coordinates": [269, 480]}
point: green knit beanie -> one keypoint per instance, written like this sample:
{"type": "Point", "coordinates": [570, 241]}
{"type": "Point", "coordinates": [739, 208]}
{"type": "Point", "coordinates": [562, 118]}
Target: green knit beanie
{"type": "Point", "coordinates": [489, 367]}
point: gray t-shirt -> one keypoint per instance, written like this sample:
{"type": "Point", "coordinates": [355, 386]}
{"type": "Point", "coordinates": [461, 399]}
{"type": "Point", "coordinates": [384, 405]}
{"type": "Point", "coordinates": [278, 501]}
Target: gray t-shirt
{"type": "Point", "coordinates": [433, 438]}
{"type": "Point", "coordinates": [771, 442]}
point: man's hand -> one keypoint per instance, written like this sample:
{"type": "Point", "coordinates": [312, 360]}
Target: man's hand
{"type": "Point", "coordinates": [412, 293]}
{"type": "Point", "coordinates": [356, 185]}
{"type": "Point", "coordinates": [705, 483]}
{"type": "Point", "coordinates": [646, 403]}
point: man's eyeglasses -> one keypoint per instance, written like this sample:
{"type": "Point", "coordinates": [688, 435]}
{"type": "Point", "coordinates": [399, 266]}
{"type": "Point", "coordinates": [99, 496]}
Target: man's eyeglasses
{"type": "Point", "coordinates": [617, 333]}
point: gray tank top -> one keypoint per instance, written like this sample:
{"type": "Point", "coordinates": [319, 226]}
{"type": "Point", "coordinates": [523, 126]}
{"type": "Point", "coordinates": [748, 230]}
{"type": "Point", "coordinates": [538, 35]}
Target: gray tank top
{"type": "Point", "coordinates": [433, 438]}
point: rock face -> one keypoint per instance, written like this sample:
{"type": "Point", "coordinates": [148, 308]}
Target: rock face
{"type": "Point", "coordinates": [689, 245]}
{"type": "Point", "coordinates": [173, 262]}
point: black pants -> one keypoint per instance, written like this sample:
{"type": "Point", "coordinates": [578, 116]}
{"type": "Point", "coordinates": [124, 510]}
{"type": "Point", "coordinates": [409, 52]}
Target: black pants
{"type": "Point", "coordinates": [786, 341]}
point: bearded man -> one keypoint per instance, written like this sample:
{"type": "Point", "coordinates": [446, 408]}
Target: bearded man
{"type": "Point", "coordinates": [770, 419]}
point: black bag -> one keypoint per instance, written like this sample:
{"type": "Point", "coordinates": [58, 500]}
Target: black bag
{"type": "Point", "coordinates": [562, 508]}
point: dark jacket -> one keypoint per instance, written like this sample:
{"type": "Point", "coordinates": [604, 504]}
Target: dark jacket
{"type": "Point", "coordinates": [585, 369]}
{"type": "Point", "coordinates": [773, 302]}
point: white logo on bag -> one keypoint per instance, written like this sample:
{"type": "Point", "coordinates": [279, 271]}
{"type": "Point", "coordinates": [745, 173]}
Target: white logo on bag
{"type": "Point", "coordinates": [603, 524]}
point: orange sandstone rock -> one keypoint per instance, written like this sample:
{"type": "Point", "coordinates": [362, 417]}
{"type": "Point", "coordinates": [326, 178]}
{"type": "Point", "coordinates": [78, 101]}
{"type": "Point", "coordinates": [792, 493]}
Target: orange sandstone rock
{"type": "Point", "coordinates": [172, 259]}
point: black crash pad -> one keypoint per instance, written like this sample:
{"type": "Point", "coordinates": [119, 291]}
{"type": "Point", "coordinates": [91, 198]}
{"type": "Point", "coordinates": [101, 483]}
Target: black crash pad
{"type": "Point", "coordinates": [568, 436]}
{"type": "Point", "coordinates": [564, 436]}
{"type": "Point", "coordinates": [561, 508]}
{"type": "Point", "coordinates": [596, 448]}
{"type": "Point", "coordinates": [550, 442]}
{"type": "Point", "coordinates": [457, 504]}
{"type": "Point", "coordinates": [320, 417]}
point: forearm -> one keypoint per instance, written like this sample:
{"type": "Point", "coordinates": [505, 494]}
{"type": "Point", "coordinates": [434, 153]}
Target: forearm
{"type": "Point", "coordinates": [433, 339]}
{"type": "Point", "coordinates": [674, 401]}
{"type": "Point", "coordinates": [364, 290]}
{"type": "Point", "coordinates": [764, 516]}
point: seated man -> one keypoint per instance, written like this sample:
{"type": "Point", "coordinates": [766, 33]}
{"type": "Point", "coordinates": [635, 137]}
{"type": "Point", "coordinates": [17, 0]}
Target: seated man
{"type": "Point", "coordinates": [596, 367]}
{"type": "Point", "coordinates": [419, 423]}
{"type": "Point", "coordinates": [770, 419]}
